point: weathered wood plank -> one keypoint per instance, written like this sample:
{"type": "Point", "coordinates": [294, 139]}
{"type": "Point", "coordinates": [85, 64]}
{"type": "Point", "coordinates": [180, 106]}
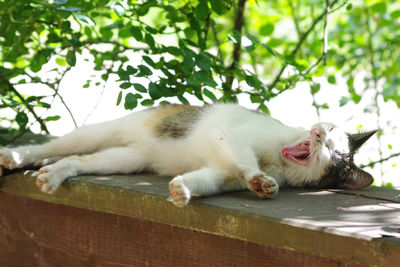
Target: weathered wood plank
{"type": "Point", "coordinates": [373, 192]}
{"type": "Point", "coordinates": [345, 228]}
{"type": "Point", "coordinates": [36, 233]}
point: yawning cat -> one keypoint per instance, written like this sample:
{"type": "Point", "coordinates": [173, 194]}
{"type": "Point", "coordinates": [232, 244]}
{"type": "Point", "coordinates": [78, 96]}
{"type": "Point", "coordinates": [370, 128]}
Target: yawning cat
{"type": "Point", "coordinates": [209, 150]}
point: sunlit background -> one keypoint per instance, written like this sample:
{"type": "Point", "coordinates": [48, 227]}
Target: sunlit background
{"type": "Point", "coordinates": [84, 103]}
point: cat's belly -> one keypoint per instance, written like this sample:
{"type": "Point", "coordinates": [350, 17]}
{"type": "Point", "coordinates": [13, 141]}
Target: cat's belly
{"type": "Point", "coordinates": [173, 160]}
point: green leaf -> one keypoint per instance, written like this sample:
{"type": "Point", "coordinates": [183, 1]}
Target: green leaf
{"type": "Point", "coordinates": [151, 30]}
{"type": "Point", "coordinates": [125, 85]}
{"type": "Point", "coordinates": [66, 27]}
{"type": "Point", "coordinates": [324, 106]}
{"type": "Point", "coordinates": [139, 87]}
{"type": "Point", "coordinates": [356, 98]}
{"type": "Point", "coordinates": [106, 32]}
{"type": "Point", "coordinates": [173, 50]}
{"type": "Point", "coordinates": [188, 64]}
{"type": "Point", "coordinates": [119, 98]}
{"type": "Point", "coordinates": [71, 58]}
{"type": "Point", "coordinates": [210, 95]}
{"type": "Point", "coordinates": [22, 119]}
{"type": "Point", "coordinates": [131, 70]}
{"type": "Point", "coordinates": [150, 40]}
{"type": "Point", "coordinates": [201, 10]}
{"type": "Point", "coordinates": [267, 29]}
{"type": "Point", "coordinates": [206, 78]}
{"type": "Point", "coordinates": [149, 61]}
{"type": "Point", "coordinates": [43, 105]}
{"type": "Point", "coordinates": [136, 33]}
{"type": "Point", "coordinates": [264, 108]}
{"type": "Point", "coordinates": [52, 118]}
{"type": "Point", "coordinates": [390, 146]}
{"type": "Point", "coordinates": [144, 71]}
{"type": "Point", "coordinates": [85, 19]}
{"type": "Point", "coordinates": [349, 7]}
{"type": "Point", "coordinates": [115, 25]}
{"type": "Point", "coordinates": [315, 87]}
{"type": "Point", "coordinates": [395, 14]}
{"type": "Point", "coordinates": [379, 7]}
{"type": "Point", "coordinates": [332, 79]}
{"type": "Point", "coordinates": [147, 102]}
{"type": "Point", "coordinates": [183, 100]}
{"type": "Point", "coordinates": [217, 6]}
{"type": "Point", "coordinates": [193, 81]}
{"type": "Point", "coordinates": [389, 185]}
{"type": "Point", "coordinates": [123, 75]}
{"type": "Point", "coordinates": [250, 80]}
{"type": "Point", "coordinates": [301, 64]}
{"type": "Point", "coordinates": [154, 91]}
{"type": "Point", "coordinates": [203, 62]}
{"type": "Point", "coordinates": [130, 101]}
{"type": "Point", "coordinates": [255, 98]}
{"type": "Point", "coordinates": [105, 76]}
{"type": "Point", "coordinates": [61, 61]}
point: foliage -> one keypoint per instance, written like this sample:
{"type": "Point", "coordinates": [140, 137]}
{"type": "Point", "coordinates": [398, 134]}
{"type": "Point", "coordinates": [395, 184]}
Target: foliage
{"type": "Point", "coordinates": [211, 49]}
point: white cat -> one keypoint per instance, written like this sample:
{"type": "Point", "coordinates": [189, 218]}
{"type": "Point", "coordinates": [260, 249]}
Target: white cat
{"type": "Point", "coordinates": [209, 150]}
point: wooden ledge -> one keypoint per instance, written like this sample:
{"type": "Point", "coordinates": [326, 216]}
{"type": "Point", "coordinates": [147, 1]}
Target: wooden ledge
{"type": "Point", "coordinates": [360, 227]}
{"type": "Point", "coordinates": [349, 227]}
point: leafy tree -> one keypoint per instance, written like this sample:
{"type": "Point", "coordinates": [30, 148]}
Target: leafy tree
{"type": "Point", "coordinates": [211, 49]}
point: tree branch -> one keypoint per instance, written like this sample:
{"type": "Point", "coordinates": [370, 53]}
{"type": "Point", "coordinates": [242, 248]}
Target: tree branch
{"type": "Point", "coordinates": [373, 163]}
{"type": "Point", "coordinates": [239, 22]}
{"type": "Point", "coordinates": [295, 18]}
{"type": "Point", "coordinates": [31, 110]}
{"type": "Point", "coordinates": [301, 41]}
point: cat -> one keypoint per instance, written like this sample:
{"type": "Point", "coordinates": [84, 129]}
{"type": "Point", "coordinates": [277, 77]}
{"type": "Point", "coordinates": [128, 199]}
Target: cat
{"type": "Point", "coordinates": [208, 150]}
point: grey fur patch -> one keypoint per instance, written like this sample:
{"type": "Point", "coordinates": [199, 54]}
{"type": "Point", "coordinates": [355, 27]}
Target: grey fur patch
{"type": "Point", "coordinates": [179, 123]}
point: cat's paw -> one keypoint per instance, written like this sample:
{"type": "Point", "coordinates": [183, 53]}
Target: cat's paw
{"type": "Point", "coordinates": [178, 192]}
{"type": "Point", "coordinates": [8, 158]}
{"type": "Point", "coordinates": [263, 186]}
{"type": "Point", "coordinates": [49, 179]}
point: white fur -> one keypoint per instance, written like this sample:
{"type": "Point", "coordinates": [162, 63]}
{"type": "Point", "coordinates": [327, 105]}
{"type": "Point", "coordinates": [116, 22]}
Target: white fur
{"type": "Point", "coordinates": [221, 153]}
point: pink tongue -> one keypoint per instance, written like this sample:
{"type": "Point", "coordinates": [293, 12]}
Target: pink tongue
{"type": "Point", "coordinates": [299, 151]}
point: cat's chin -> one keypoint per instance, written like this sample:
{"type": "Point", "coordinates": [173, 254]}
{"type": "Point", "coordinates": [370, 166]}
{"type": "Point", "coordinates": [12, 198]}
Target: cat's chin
{"type": "Point", "coordinates": [298, 153]}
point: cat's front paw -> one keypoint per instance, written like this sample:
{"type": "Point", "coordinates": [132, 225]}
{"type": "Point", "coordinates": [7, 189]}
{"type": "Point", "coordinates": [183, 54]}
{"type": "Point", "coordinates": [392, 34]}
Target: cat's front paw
{"type": "Point", "coordinates": [8, 158]}
{"type": "Point", "coordinates": [48, 179]}
{"type": "Point", "coordinates": [263, 185]}
{"type": "Point", "coordinates": [178, 192]}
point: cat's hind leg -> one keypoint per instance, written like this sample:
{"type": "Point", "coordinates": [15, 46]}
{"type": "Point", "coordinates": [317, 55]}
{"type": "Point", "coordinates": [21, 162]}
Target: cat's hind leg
{"type": "Point", "coordinates": [109, 161]}
{"type": "Point", "coordinates": [84, 140]}
{"type": "Point", "coordinates": [200, 183]}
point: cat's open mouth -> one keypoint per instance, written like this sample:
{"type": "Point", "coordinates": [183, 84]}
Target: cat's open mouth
{"type": "Point", "coordinates": [298, 153]}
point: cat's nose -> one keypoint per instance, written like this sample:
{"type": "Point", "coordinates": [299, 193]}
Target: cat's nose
{"type": "Point", "coordinates": [316, 131]}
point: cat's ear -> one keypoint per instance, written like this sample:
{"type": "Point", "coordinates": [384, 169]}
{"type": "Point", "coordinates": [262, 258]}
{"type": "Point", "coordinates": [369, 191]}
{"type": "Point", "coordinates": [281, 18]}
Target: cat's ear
{"type": "Point", "coordinates": [358, 139]}
{"type": "Point", "coordinates": [358, 179]}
